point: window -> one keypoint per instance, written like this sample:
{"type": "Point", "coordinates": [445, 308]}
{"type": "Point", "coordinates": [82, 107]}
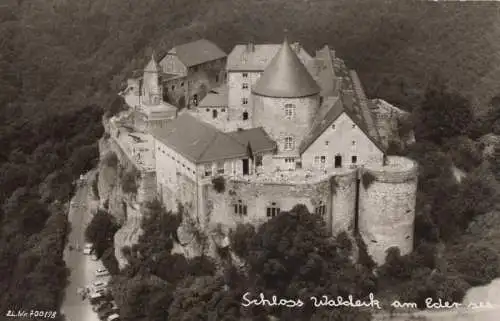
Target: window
{"type": "Point", "coordinates": [216, 78]}
{"type": "Point", "coordinates": [354, 159]}
{"type": "Point", "coordinates": [245, 115]}
{"type": "Point", "coordinates": [298, 165]}
{"type": "Point", "coordinates": [327, 142]}
{"type": "Point", "coordinates": [214, 114]}
{"type": "Point", "coordinates": [220, 168]}
{"type": "Point", "coordinates": [272, 210]}
{"type": "Point", "coordinates": [316, 159]}
{"type": "Point", "coordinates": [289, 145]}
{"type": "Point", "coordinates": [245, 75]}
{"type": "Point", "coordinates": [182, 84]}
{"type": "Point", "coordinates": [240, 208]}
{"type": "Point", "coordinates": [320, 209]}
{"type": "Point", "coordinates": [323, 159]}
{"type": "Point", "coordinates": [223, 110]}
{"type": "Point", "coordinates": [173, 87]}
{"type": "Point", "coordinates": [208, 110]}
{"type": "Point", "coordinates": [289, 160]}
{"type": "Point", "coordinates": [353, 142]}
{"type": "Point", "coordinates": [338, 161]}
{"type": "Point", "coordinates": [333, 126]}
{"type": "Point", "coordinates": [353, 125]}
{"type": "Point", "coordinates": [289, 111]}
{"type": "Point", "coordinates": [244, 101]}
{"type": "Point", "coordinates": [208, 170]}
{"type": "Point", "coordinates": [258, 160]}
{"type": "Point", "coordinates": [244, 86]}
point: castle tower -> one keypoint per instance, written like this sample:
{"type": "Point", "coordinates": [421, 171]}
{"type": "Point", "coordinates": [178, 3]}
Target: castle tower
{"type": "Point", "coordinates": [387, 198]}
{"type": "Point", "coordinates": [343, 213]}
{"type": "Point", "coordinates": [285, 101]}
{"type": "Point", "coordinates": [151, 89]}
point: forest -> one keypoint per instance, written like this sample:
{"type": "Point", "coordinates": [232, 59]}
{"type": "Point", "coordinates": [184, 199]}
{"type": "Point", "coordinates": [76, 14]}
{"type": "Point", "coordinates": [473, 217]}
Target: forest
{"type": "Point", "coordinates": [63, 61]}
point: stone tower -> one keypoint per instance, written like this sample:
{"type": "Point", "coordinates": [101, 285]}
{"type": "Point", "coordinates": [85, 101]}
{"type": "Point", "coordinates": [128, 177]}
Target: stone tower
{"type": "Point", "coordinates": [151, 89]}
{"type": "Point", "coordinates": [387, 199]}
{"type": "Point", "coordinates": [285, 101]}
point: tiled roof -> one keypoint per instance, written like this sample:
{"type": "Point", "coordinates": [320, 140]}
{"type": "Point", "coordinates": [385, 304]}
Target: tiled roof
{"type": "Point", "coordinates": [332, 108]}
{"type": "Point", "coordinates": [256, 57]}
{"type": "Point", "coordinates": [214, 100]}
{"type": "Point", "coordinates": [198, 141]}
{"type": "Point", "coordinates": [286, 76]}
{"type": "Point", "coordinates": [323, 71]}
{"type": "Point", "coordinates": [257, 137]}
{"type": "Point", "coordinates": [197, 52]}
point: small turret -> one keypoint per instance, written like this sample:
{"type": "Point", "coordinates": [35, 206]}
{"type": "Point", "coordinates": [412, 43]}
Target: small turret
{"type": "Point", "coordinates": [151, 89]}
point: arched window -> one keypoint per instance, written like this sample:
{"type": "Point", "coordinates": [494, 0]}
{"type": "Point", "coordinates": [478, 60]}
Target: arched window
{"type": "Point", "coordinates": [245, 115]}
{"type": "Point", "coordinates": [289, 143]}
{"type": "Point", "coordinates": [289, 111]}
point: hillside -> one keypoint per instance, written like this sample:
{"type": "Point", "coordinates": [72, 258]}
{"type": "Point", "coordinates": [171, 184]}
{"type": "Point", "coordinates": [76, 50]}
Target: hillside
{"type": "Point", "coordinates": [60, 55]}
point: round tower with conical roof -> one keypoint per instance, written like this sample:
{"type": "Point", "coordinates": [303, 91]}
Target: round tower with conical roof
{"type": "Point", "coordinates": [285, 101]}
{"type": "Point", "coordinates": [151, 89]}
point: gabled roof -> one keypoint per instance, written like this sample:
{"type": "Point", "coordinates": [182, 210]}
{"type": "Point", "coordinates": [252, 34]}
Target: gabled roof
{"type": "Point", "coordinates": [328, 113]}
{"type": "Point", "coordinates": [256, 57]}
{"type": "Point", "coordinates": [214, 100]}
{"type": "Point", "coordinates": [197, 52]}
{"type": "Point", "coordinates": [256, 137]}
{"type": "Point", "coordinates": [322, 69]}
{"type": "Point", "coordinates": [286, 77]}
{"type": "Point", "coordinates": [198, 141]}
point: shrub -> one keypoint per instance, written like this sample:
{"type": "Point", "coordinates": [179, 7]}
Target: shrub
{"type": "Point", "coordinates": [219, 184]}
{"type": "Point", "coordinates": [363, 257]}
{"type": "Point", "coordinates": [367, 179]}
{"type": "Point", "coordinates": [240, 237]}
{"type": "Point", "coordinates": [110, 160]}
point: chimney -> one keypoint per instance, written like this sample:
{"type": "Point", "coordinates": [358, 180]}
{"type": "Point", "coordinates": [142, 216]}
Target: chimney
{"type": "Point", "coordinates": [250, 47]}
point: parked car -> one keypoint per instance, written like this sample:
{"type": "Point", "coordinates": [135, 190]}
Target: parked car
{"type": "Point", "coordinates": [95, 298]}
{"type": "Point", "coordinates": [101, 272]}
{"type": "Point", "coordinates": [114, 317]}
{"type": "Point", "coordinates": [87, 250]}
{"type": "Point", "coordinates": [99, 284]}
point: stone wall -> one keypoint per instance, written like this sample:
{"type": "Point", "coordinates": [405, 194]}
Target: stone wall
{"type": "Point", "coordinates": [269, 113]}
{"type": "Point", "coordinates": [257, 197]}
{"type": "Point", "coordinates": [343, 204]}
{"type": "Point", "coordinates": [387, 206]}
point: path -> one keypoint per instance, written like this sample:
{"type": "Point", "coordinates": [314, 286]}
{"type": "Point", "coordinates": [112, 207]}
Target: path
{"type": "Point", "coordinates": [81, 267]}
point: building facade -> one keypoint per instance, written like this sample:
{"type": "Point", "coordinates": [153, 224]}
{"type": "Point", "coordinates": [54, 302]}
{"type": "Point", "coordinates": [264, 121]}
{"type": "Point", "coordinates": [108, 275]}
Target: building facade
{"type": "Point", "coordinates": [285, 128]}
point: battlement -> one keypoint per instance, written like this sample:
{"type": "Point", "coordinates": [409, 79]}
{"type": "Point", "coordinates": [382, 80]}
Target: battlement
{"type": "Point", "coordinates": [397, 169]}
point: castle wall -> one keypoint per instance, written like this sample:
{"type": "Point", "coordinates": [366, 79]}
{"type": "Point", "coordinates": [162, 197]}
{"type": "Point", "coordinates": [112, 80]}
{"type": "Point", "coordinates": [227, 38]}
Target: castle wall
{"type": "Point", "coordinates": [269, 113]}
{"type": "Point", "coordinates": [345, 140]}
{"type": "Point", "coordinates": [343, 203]}
{"type": "Point", "coordinates": [387, 207]}
{"type": "Point", "coordinates": [220, 207]}
{"type": "Point", "coordinates": [205, 114]}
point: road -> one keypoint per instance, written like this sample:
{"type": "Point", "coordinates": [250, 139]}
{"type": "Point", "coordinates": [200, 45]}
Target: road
{"type": "Point", "coordinates": [82, 268]}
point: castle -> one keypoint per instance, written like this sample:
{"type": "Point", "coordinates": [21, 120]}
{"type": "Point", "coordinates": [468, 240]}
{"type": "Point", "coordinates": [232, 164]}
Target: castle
{"type": "Point", "coordinates": [263, 129]}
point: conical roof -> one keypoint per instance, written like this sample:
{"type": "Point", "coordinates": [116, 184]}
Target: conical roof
{"type": "Point", "coordinates": [286, 77]}
{"type": "Point", "coordinates": [152, 66]}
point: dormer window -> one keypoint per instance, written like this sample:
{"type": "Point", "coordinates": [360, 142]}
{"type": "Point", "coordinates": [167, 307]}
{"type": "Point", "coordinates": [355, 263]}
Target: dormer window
{"type": "Point", "coordinates": [289, 143]}
{"type": "Point", "coordinates": [289, 111]}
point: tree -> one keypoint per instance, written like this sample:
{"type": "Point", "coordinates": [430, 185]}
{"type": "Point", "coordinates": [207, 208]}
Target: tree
{"type": "Point", "coordinates": [442, 115]}
{"type": "Point", "coordinates": [100, 231]}
{"type": "Point", "coordinates": [495, 162]}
